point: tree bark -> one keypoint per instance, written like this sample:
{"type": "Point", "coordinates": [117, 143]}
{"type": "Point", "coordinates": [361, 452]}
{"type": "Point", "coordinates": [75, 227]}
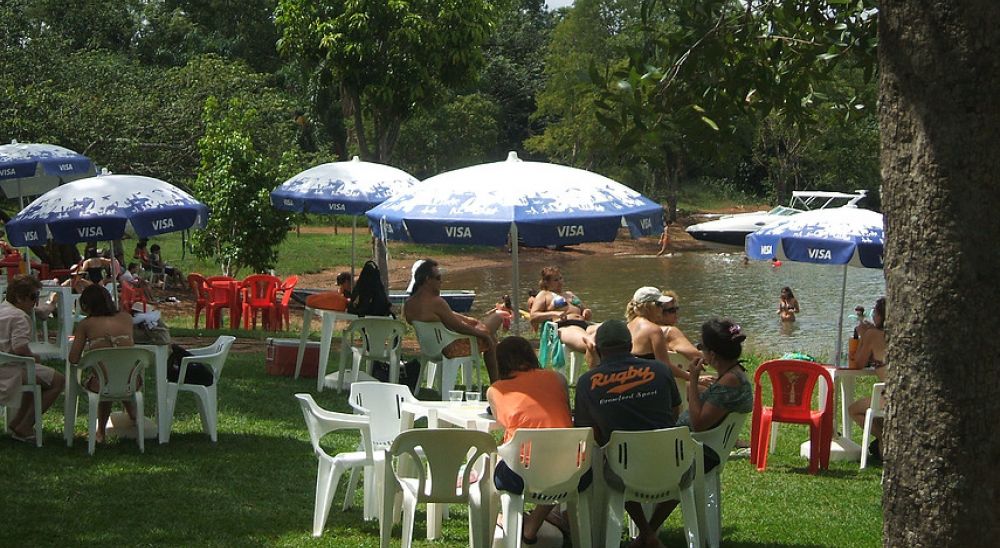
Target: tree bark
{"type": "Point", "coordinates": [940, 130]}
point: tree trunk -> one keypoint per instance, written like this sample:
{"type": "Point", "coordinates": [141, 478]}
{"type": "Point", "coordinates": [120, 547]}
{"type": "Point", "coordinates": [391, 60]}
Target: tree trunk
{"type": "Point", "coordinates": [940, 130]}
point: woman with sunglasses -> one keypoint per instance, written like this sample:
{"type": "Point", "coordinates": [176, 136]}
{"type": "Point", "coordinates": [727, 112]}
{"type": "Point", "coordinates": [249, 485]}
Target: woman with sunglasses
{"type": "Point", "coordinates": [677, 341]}
{"type": "Point", "coordinates": [731, 392]}
{"type": "Point", "coordinates": [646, 314]}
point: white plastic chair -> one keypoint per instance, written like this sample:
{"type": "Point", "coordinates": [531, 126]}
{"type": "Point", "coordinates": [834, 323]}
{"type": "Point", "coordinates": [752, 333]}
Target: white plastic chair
{"type": "Point", "coordinates": [442, 456]}
{"type": "Point", "coordinates": [575, 361]}
{"type": "Point", "coordinates": [30, 385]}
{"type": "Point", "coordinates": [654, 466]}
{"type": "Point", "coordinates": [321, 422]}
{"type": "Point", "coordinates": [551, 462]}
{"type": "Point", "coordinates": [432, 338]}
{"type": "Point", "coordinates": [119, 374]}
{"type": "Point", "coordinates": [876, 410]}
{"type": "Point", "coordinates": [371, 339]}
{"type": "Point", "coordinates": [721, 439]}
{"type": "Point", "coordinates": [381, 402]}
{"type": "Point", "coordinates": [213, 356]}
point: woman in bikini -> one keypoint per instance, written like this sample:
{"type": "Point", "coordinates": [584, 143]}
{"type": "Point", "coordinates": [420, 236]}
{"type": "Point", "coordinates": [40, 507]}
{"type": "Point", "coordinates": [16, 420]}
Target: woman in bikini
{"type": "Point", "coordinates": [788, 305]}
{"type": "Point", "coordinates": [105, 326]}
{"type": "Point", "coordinates": [554, 304]}
{"type": "Point", "coordinates": [646, 315]}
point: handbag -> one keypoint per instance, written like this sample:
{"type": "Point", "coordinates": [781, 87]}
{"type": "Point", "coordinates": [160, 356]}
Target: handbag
{"type": "Point", "coordinates": [197, 373]}
{"type": "Point", "coordinates": [158, 334]}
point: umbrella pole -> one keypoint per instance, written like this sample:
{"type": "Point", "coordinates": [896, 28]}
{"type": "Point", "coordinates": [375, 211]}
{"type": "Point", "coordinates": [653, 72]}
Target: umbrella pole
{"type": "Point", "coordinates": [354, 227]}
{"type": "Point", "coordinates": [840, 317]}
{"type": "Point", "coordinates": [515, 281]}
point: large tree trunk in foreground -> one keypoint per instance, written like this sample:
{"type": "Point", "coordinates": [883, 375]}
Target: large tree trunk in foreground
{"type": "Point", "coordinates": [940, 128]}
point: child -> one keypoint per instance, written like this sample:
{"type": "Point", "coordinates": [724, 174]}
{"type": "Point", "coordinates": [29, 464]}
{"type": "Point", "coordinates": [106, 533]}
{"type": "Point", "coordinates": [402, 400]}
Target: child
{"type": "Point", "coordinates": [506, 311]}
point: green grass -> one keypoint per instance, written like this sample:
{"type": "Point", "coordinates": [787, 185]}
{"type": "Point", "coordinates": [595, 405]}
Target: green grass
{"type": "Point", "coordinates": [710, 195]}
{"type": "Point", "coordinates": [304, 253]}
{"type": "Point", "coordinates": [255, 486]}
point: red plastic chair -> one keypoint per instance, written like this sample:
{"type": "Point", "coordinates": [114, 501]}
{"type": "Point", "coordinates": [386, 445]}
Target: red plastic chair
{"type": "Point", "coordinates": [130, 295]}
{"type": "Point", "coordinates": [259, 293]}
{"type": "Point", "coordinates": [281, 316]}
{"type": "Point", "coordinates": [223, 293]}
{"type": "Point", "coordinates": [199, 288]}
{"type": "Point", "coordinates": [792, 384]}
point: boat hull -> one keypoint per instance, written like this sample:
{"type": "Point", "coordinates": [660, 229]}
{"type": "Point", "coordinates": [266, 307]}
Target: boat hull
{"type": "Point", "coordinates": [729, 237]}
{"type": "Point", "coordinates": [460, 300]}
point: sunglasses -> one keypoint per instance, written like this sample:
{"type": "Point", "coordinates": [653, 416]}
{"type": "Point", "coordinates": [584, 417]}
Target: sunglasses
{"type": "Point", "coordinates": [670, 309]}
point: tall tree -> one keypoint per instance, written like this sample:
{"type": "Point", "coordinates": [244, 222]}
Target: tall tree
{"type": "Point", "coordinates": [701, 67]}
{"type": "Point", "coordinates": [940, 125]}
{"type": "Point", "coordinates": [387, 58]}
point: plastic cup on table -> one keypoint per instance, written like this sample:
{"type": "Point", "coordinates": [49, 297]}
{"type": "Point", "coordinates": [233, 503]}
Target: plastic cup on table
{"type": "Point", "coordinates": [454, 395]}
{"type": "Point", "coordinates": [472, 396]}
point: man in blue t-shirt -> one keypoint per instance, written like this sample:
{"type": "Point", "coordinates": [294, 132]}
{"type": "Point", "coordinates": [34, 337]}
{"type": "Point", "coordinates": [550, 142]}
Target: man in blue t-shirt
{"type": "Point", "coordinates": [627, 393]}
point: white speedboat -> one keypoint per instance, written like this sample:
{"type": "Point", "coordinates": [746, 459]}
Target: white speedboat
{"type": "Point", "coordinates": [733, 229]}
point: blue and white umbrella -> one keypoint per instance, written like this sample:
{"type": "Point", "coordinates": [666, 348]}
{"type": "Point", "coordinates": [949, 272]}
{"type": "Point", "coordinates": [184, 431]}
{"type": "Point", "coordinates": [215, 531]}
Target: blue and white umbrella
{"type": "Point", "coordinates": [31, 169]}
{"type": "Point", "coordinates": [837, 236]}
{"type": "Point", "coordinates": [103, 207]}
{"type": "Point", "coordinates": [536, 203]}
{"type": "Point", "coordinates": [341, 188]}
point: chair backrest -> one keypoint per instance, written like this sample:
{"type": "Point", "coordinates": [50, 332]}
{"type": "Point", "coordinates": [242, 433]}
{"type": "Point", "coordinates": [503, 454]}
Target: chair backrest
{"type": "Point", "coordinates": [652, 464]}
{"type": "Point", "coordinates": [562, 456]}
{"type": "Point", "coordinates": [286, 288]}
{"type": "Point", "coordinates": [118, 370]}
{"type": "Point", "coordinates": [792, 383]}
{"type": "Point", "coordinates": [321, 422]}
{"type": "Point", "coordinates": [442, 454]}
{"type": "Point", "coordinates": [382, 337]}
{"type": "Point", "coordinates": [216, 355]}
{"type": "Point", "coordinates": [198, 285]}
{"type": "Point", "coordinates": [723, 437]}
{"type": "Point", "coordinates": [878, 396]}
{"type": "Point", "coordinates": [261, 289]}
{"type": "Point", "coordinates": [382, 402]}
{"type": "Point", "coordinates": [434, 336]}
{"type": "Point", "coordinates": [131, 295]}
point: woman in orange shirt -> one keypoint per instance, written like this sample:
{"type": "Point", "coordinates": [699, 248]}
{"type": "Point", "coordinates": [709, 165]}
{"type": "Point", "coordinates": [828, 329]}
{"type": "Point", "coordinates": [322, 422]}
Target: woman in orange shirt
{"type": "Point", "coordinates": [526, 396]}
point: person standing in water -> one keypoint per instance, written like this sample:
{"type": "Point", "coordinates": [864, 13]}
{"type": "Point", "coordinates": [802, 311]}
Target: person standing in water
{"type": "Point", "coordinates": [788, 305]}
{"type": "Point", "coordinates": [664, 239]}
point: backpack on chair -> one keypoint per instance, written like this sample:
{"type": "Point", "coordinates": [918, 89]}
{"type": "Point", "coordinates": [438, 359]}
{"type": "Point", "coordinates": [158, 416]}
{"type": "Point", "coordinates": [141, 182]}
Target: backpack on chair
{"type": "Point", "coordinates": [369, 297]}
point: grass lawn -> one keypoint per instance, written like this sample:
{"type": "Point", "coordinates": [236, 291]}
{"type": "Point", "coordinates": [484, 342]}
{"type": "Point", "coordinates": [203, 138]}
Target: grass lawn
{"type": "Point", "coordinates": [256, 485]}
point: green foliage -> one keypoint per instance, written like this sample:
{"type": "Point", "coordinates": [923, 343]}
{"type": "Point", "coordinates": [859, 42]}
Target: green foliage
{"type": "Point", "coordinates": [388, 58]}
{"type": "Point", "coordinates": [460, 133]}
{"type": "Point", "coordinates": [234, 181]}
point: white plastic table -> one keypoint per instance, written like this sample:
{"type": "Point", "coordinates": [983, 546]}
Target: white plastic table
{"type": "Point", "coordinates": [330, 319]}
{"type": "Point", "coordinates": [842, 447]}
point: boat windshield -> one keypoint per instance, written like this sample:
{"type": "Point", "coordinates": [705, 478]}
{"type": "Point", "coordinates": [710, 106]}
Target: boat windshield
{"type": "Point", "coordinates": [784, 211]}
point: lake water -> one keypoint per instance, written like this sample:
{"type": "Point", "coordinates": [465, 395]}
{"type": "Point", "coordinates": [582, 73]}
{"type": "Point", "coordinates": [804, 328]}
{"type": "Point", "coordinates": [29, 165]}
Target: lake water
{"type": "Point", "coordinates": [709, 283]}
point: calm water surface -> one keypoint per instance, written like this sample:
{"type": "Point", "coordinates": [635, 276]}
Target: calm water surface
{"type": "Point", "coordinates": [709, 284]}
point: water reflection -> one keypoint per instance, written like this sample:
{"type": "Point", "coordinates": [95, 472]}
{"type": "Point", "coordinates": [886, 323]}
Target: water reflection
{"type": "Point", "coordinates": [708, 284]}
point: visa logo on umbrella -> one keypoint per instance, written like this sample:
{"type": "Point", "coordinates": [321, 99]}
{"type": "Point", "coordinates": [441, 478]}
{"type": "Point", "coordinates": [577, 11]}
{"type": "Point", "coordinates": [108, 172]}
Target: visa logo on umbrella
{"type": "Point", "coordinates": [337, 207]}
{"type": "Point", "coordinates": [7, 172]}
{"type": "Point", "coordinates": [570, 230]}
{"type": "Point", "coordinates": [90, 232]}
{"type": "Point", "coordinates": [31, 236]}
{"type": "Point", "coordinates": [458, 231]}
{"type": "Point", "coordinates": [766, 250]}
{"type": "Point", "coordinates": [163, 224]}
{"type": "Point", "coordinates": [646, 224]}
{"type": "Point", "coordinates": [65, 167]}
{"type": "Point", "coordinates": [820, 254]}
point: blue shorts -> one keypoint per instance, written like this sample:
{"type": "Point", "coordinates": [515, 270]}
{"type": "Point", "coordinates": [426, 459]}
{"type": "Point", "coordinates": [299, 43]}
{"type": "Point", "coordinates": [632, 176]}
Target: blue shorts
{"type": "Point", "coordinates": [506, 479]}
